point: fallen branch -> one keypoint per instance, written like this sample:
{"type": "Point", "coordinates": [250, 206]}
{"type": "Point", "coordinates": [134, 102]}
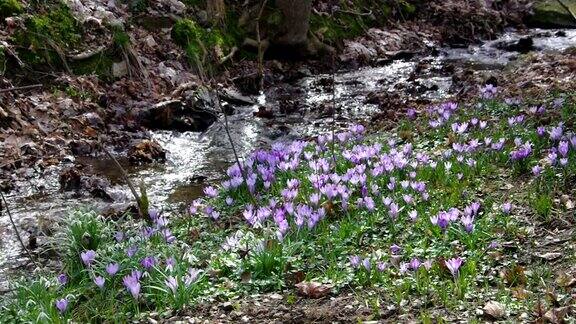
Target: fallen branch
{"type": "Point", "coordinates": [16, 229]}
{"type": "Point", "coordinates": [565, 6]}
{"type": "Point", "coordinates": [142, 209]}
{"type": "Point", "coordinates": [33, 86]}
{"type": "Point", "coordinates": [88, 54]}
{"type": "Point", "coordinates": [229, 56]}
{"type": "Point", "coordinates": [260, 50]}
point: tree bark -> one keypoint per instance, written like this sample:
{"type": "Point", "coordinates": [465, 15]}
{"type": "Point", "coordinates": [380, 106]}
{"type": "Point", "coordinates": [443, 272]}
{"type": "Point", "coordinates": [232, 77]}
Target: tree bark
{"type": "Point", "coordinates": [216, 10]}
{"type": "Point", "coordinates": [295, 24]}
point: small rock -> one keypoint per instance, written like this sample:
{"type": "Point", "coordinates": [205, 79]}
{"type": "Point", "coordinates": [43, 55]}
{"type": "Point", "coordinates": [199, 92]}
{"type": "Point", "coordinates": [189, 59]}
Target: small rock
{"type": "Point", "coordinates": [119, 69]}
{"type": "Point", "coordinates": [70, 179]}
{"type": "Point", "coordinates": [227, 306]}
{"type": "Point", "coordinates": [275, 296]}
{"type": "Point", "coordinates": [494, 309]}
{"type": "Point", "coordinates": [150, 41]}
{"type": "Point", "coordinates": [146, 151]}
{"type": "Point", "coordinates": [81, 147]}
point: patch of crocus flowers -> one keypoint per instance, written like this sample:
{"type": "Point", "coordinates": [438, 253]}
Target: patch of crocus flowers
{"type": "Point", "coordinates": [102, 272]}
{"type": "Point", "coordinates": [294, 186]}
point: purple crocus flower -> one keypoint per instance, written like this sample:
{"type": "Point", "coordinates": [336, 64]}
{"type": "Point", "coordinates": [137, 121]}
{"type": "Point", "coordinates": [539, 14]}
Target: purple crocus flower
{"type": "Point", "coordinates": [393, 210]}
{"type": "Point", "coordinates": [381, 266]}
{"type": "Point", "coordinates": [427, 264]}
{"type": "Point", "coordinates": [132, 283]}
{"type": "Point", "coordinates": [394, 249]}
{"type": "Point", "coordinates": [112, 268]}
{"type": "Point", "coordinates": [556, 132]}
{"type": "Point", "coordinates": [131, 251]}
{"type": "Point", "coordinates": [191, 276]}
{"type": "Point", "coordinates": [354, 261]}
{"type": "Point", "coordinates": [148, 262]}
{"type": "Point", "coordinates": [153, 214]}
{"type": "Point", "coordinates": [411, 113]}
{"type": "Point", "coordinates": [62, 278]}
{"type": "Point", "coordinates": [119, 236]}
{"type": "Point", "coordinates": [99, 281]}
{"type": "Point", "coordinates": [468, 222]}
{"type": "Point", "coordinates": [61, 305]}
{"type": "Point", "coordinates": [415, 264]}
{"type": "Point", "coordinates": [404, 266]}
{"type": "Point", "coordinates": [563, 148]}
{"type": "Point", "coordinates": [413, 214]}
{"type": "Point", "coordinates": [229, 201]}
{"type": "Point", "coordinates": [88, 257]}
{"type": "Point", "coordinates": [210, 192]}
{"type": "Point", "coordinates": [366, 263]}
{"type": "Point", "coordinates": [488, 91]}
{"type": "Point", "coordinates": [172, 283]}
{"type": "Point", "coordinates": [170, 263]}
{"type": "Point", "coordinates": [536, 170]}
{"type": "Point", "coordinates": [454, 265]}
{"type": "Point", "coordinates": [506, 208]}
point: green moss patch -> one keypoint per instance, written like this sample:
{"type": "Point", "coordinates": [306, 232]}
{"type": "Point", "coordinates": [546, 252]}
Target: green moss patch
{"type": "Point", "coordinates": [47, 33]}
{"type": "Point", "coordinates": [10, 8]}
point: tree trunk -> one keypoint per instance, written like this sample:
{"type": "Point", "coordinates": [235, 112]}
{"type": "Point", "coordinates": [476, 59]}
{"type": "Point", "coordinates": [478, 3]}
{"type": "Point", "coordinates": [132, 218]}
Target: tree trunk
{"type": "Point", "coordinates": [293, 34]}
{"type": "Point", "coordinates": [216, 10]}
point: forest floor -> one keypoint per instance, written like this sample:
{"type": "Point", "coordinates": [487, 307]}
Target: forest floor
{"type": "Point", "coordinates": [530, 274]}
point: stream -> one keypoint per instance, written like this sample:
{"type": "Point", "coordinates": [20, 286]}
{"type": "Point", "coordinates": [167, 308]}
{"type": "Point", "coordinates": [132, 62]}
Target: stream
{"type": "Point", "coordinates": [194, 159]}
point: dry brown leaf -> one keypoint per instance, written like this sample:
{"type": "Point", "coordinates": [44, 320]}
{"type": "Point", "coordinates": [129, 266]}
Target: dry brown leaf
{"type": "Point", "coordinates": [495, 309]}
{"type": "Point", "coordinates": [520, 293]}
{"type": "Point", "coordinates": [566, 280]}
{"type": "Point", "coordinates": [556, 315]}
{"type": "Point", "coordinates": [313, 289]}
{"type": "Point", "coordinates": [246, 276]}
{"type": "Point", "coordinates": [550, 256]}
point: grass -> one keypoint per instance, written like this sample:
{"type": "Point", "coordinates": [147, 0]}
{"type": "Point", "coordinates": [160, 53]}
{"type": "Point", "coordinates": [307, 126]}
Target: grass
{"type": "Point", "coordinates": [414, 222]}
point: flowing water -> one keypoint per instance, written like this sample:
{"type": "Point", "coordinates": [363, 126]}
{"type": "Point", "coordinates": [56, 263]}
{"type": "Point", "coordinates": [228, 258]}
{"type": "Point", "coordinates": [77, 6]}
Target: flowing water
{"type": "Point", "coordinates": [196, 158]}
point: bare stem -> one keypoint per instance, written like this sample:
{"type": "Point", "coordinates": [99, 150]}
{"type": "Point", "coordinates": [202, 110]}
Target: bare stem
{"type": "Point", "coordinates": [227, 129]}
{"type": "Point", "coordinates": [16, 229]}
{"type": "Point", "coordinates": [139, 201]}
{"type": "Point", "coordinates": [34, 86]}
{"type": "Point", "coordinates": [259, 41]}
{"type": "Point", "coordinates": [333, 109]}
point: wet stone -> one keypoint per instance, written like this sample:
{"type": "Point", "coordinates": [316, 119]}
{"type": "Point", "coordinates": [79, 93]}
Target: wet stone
{"type": "Point", "coordinates": [70, 179]}
{"type": "Point", "coordinates": [146, 151]}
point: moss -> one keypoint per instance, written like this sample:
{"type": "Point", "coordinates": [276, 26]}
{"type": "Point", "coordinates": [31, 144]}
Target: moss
{"type": "Point", "coordinates": [101, 65]}
{"type": "Point", "coordinates": [10, 7]}
{"type": "Point", "coordinates": [55, 28]}
{"type": "Point", "coordinates": [550, 13]}
{"type": "Point", "coordinates": [137, 6]}
{"type": "Point", "coordinates": [2, 60]}
{"type": "Point", "coordinates": [199, 41]}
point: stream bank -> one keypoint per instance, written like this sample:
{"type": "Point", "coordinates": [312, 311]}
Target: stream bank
{"type": "Point", "coordinates": [374, 94]}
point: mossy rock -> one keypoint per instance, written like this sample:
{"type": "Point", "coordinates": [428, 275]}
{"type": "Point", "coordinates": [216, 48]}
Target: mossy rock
{"type": "Point", "coordinates": [10, 8]}
{"type": "Point", "coordinates": [44, 33]}
{"type": "Point", "coordinates": [551, 14]}
{"type": "Point", "coordinates": [3, 61]}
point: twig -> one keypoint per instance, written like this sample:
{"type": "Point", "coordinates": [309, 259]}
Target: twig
{"type": "Point", "coordinates": [33, 86]}
{"type": "Point", "coordinates": [565, 6]}
{"type": "Point", "coordinates": [87, 54]}
{"type": "Point", "coordinates": [139, 201]}
{"type": "Point", "coordinates": [260, 51]}
{"type": "Point", "coordinates": [333, 108]}
{"type": "Point", "coordinates": [356, 13]}
{"type": "Point", "coordinates": [227, 129]}
{"type": "Point", "coordinates": [233, 52]}
{"type": "Point", "coordinates": [16, 229]}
